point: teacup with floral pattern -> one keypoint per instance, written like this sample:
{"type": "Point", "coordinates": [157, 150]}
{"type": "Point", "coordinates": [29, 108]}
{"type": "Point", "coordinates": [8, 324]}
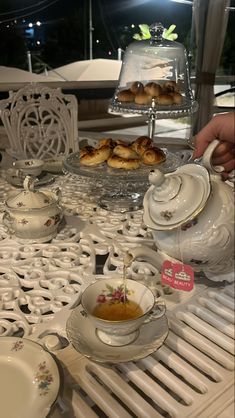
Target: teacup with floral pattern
{"type": "Point", "coordinates": [117, 291]}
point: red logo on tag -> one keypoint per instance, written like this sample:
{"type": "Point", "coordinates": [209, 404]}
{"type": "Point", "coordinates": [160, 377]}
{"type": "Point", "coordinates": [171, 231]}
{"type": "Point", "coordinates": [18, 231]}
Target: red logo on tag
{"type": "Point", "coordinates": [167, 273]}
{"type": "Point", "coordinates": [183, 277]}
{"type": "Point", "coordinates": [178, 275]}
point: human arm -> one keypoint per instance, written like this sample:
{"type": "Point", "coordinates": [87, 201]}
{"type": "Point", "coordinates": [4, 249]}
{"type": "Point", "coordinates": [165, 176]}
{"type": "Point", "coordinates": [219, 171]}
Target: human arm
{"type": "Point", "coordinates": [221, 127]}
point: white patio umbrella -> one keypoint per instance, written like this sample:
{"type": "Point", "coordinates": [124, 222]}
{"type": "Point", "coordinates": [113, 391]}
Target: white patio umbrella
{"type": "Point", "coordinates": [89, 70]}
{"type": "Point", "coordinates": [16, 75]}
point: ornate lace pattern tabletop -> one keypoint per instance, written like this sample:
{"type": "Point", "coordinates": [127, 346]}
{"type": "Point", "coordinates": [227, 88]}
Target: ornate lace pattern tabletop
{"type": "Point", "coordinates": [38, 280]}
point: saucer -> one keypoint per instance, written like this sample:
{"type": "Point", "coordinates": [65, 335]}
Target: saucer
{"type": "Point", "coordinates": [29, 379]}
{"type": "Point", "coordinates": [83, 336]}
{"type": "Point", "coordinates": [42, 179]}
{"type": "Point", "coordinates": [54, 165]}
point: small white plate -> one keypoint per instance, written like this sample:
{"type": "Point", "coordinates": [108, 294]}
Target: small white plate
{"type": "Point", "coordinates": [29, 379]}
{"type": "Point", "coordinates": [14, 180]}
{"type": "Point", "coordinates": [82, 335]}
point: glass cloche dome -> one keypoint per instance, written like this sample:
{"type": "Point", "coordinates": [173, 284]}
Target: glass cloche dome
{"type": "Point", "coordinates": [154, 78]}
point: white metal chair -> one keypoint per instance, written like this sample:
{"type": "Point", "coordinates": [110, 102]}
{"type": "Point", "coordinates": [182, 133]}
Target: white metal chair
{"type": "Point", "coordinates": [40, 122]}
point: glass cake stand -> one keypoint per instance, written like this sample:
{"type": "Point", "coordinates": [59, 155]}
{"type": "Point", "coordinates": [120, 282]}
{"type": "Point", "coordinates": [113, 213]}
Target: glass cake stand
{"type": "Point", "coordinates": [113, 189]}
{"type": "Point", "coordinates": [155, 61]}
{"type": "Point", "coordinates": [153, 112]}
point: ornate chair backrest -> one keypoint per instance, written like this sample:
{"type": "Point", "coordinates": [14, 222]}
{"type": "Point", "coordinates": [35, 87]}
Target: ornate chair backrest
{"type": "Point", "coordinates": [40, 122]}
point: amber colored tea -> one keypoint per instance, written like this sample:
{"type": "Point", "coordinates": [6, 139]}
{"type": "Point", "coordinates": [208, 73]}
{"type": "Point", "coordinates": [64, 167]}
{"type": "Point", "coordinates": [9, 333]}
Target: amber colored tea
{"type": "Point", "coordinates": [117, 311]}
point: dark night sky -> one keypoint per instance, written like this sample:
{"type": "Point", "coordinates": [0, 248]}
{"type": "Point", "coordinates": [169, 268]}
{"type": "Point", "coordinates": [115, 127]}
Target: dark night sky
{"type": "Point", "coordinates": [109, 17]}
{"type": "Point", "coordinates": [116, 12]}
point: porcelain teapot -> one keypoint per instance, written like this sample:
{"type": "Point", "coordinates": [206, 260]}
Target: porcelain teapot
{"type": "Point", "coordinates": [32, 214]}
{"type": "Point", "coordinates": [191, 215]}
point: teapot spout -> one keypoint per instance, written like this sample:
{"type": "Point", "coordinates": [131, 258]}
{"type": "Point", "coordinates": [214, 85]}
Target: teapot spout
{"type": "Point", "coordinates": [154, 257]}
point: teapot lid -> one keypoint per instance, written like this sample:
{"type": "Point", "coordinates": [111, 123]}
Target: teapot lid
{"type": "Point", "coordinates": [175, 198]}
{"type": "Point", "coordinates": [29, 198]}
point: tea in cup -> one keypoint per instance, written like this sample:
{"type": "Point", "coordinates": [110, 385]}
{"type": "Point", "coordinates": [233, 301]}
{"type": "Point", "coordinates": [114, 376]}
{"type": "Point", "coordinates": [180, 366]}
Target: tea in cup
{"type": "Point", "coordinates": [118, 308]}
{"type": "Point", "coordinates": [29, 167]}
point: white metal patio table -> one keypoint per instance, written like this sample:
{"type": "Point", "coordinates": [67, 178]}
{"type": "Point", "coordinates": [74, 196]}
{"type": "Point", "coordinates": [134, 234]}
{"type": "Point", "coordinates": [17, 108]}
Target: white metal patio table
{"type": "Point", "coordinates": [190, 375]}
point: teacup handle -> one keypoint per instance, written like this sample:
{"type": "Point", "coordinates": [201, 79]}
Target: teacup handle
{"type": "Point", "coordinates": [158, 311]}
{"type": "Point", "coordinates": [207, 156]}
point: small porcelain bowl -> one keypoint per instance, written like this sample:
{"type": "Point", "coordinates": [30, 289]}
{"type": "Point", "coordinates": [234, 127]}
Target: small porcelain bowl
{"type": "Point", "coordinates": [29, 167]}
{"type": "Point", "coordinates": [33, 215]}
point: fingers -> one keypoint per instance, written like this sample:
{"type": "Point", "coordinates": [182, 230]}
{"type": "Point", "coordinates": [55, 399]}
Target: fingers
{"type": "Point", "coordinates": [221, 127]}
{"type": "Point", "coordinates": [205, 137]}
{"type": "Point", "coordinates": [223, 148]}
{"type": "Point", "coordinates": [229, 166]}
{"type": "Point", "coordinates": [224, 155]}
{"type": "Point", "coordinates": [201, 144]}
{"type": "Point", "coordinates": [223, 158]}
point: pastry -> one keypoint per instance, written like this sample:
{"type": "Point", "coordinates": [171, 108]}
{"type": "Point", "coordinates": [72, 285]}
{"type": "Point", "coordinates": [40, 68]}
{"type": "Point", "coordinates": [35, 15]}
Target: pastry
{"type": "Point", "coordinates": [85, 150]}
{"type": "Point", "coordinates": [106, 141]}
{"type": "Point", "coordinates": [170, 86]}
{"type": "Point", "coordinates": [143, 98]}
{"type": "Point", "coordinates": [136, 87]}
{"type": "Point", "coordinates": [93, 156]}
{"type": "Point", "coordinates": [125, 96]}
{"type": "Point", "coordinates": [153, 156]}
{"type": "Point", "coordinates": [141, 144]}
{"type": "Point", "coordinates": [127, 164]}
{"type": "Point", "coordinates": [124, 151]}
{"type": "Point", "coordinates": [119, 154]}
{"type": "Point", "coordinates": [177, 97]}
{"type": "Point", "coordinates": [164, 99]}
{"type": "Point", "coordinates": [153, 89]}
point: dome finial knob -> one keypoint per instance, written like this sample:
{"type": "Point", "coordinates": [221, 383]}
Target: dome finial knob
{"type": "Point", "coordinates": [156, 31]}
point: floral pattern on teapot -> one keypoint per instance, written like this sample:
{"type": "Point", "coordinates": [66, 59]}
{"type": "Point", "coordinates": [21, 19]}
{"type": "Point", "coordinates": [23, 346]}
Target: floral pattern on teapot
{"type": "Point", "coordinates": [189, 224]}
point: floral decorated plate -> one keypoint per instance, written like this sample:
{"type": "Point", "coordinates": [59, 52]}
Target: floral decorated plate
{"type": "Point", "coordinates": [83, 336]}
{"type": "Point", "coordinates": [29, 379]}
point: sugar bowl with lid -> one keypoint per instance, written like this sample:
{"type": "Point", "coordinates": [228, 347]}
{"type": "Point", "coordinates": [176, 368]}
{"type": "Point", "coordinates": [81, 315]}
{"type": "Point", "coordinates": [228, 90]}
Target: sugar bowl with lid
{"type": "Point", "coordinates": [32, 214]}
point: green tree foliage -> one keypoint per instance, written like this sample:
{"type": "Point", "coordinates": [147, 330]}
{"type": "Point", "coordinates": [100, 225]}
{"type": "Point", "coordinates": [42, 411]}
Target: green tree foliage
{"type": "Point", "coordinates": [145, 33]}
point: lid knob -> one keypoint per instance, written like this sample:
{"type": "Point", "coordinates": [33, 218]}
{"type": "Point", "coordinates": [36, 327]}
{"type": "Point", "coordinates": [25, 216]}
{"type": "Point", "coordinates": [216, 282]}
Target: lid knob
{"type": "Point", "coordinates": [28, 183]}
{"type": "Point", "coordinates": [156, 177]}
{"type": "Point", "coordinates": [166, 187]}
{"type": "Point", "coordinates": [156, 30]}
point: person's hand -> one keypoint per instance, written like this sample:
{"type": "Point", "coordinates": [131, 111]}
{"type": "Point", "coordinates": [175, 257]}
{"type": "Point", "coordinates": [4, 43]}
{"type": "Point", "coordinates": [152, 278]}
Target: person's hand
{"type": "Point", "coordinates": [221, 127]}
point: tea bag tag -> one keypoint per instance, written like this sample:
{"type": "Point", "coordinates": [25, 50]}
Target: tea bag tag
{"type": "Point", "coordinates": [179, 276]}
{"type": "Point", "coordinates": [183, 275]}
{"type": "Point", "coordinates": [167, 273]}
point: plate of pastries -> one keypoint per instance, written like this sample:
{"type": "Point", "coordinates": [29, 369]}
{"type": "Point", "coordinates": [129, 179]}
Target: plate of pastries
{"type": "Point", "coordinates": [115, 157]}
{"type": "Point", "coordinates": [164, 94]}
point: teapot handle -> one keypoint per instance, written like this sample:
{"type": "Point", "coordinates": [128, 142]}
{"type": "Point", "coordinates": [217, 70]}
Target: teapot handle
{"type": "Point", "coordinates": [207, 156]}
